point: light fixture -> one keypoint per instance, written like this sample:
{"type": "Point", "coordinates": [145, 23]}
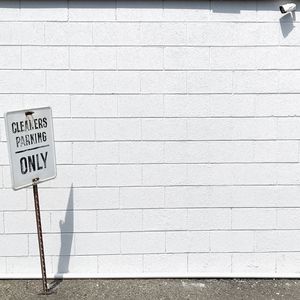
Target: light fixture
{"type": "Point", "coordinates": [289, 7]}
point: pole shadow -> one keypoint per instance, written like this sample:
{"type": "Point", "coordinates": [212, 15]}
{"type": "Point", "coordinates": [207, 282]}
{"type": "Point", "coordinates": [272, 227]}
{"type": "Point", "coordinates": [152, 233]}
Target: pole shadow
{"type": "Point", "coordinates": [66, 236]}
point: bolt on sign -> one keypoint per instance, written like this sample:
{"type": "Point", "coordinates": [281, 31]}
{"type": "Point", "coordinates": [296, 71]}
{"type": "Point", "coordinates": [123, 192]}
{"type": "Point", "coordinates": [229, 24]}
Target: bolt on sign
{"type": "Point", "coordinates": [31, 146]}
{"type": "Point", "coordinates": [32, 159]}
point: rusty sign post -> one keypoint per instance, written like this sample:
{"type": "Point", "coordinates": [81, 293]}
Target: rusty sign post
{"type": "Point", "coordinates": [40, 233]}
{"type": "Point", "coordinates": [32, 159]}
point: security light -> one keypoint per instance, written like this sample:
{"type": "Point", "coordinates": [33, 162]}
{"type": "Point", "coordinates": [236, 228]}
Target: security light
{"type": "Point", "coordinates": [289, 7]}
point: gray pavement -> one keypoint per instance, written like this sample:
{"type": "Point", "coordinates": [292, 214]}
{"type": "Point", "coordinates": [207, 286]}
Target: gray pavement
{"type": "Point", "coordinates": [154, 289]}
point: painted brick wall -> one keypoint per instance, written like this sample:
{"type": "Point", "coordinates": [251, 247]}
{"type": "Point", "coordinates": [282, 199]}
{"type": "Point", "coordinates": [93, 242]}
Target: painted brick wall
{"type": "Point", "coordinates": [177, 126]}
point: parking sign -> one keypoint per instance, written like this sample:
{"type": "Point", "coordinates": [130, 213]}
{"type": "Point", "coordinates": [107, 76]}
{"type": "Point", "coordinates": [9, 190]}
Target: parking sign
{"type": "Point", "coordinates": [31, 146]}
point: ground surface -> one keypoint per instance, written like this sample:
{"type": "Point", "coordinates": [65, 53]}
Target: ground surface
{"type": "Point", "coordinates": [154, 289]}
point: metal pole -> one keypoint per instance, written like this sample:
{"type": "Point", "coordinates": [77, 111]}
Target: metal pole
{"type": "Point", "coordinates": [40, 233]}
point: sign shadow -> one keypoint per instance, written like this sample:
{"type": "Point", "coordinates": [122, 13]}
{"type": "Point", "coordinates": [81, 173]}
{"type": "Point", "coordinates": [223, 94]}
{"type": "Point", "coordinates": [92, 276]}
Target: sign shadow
{"type": "Point", "coordinates": [66, 236]}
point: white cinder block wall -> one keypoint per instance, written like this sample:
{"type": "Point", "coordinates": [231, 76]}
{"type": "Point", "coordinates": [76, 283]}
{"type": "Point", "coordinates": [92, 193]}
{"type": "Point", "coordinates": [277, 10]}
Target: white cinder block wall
{"type": "Point", "coordinates": [177, 126]}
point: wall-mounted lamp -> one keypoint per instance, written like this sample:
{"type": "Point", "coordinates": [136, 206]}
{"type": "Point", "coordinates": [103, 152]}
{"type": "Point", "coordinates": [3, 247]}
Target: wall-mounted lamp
{"type": "Point", "coordinates": [289, 7]}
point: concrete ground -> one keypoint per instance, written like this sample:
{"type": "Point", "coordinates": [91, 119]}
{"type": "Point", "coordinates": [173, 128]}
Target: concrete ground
{"type": "Point", "coordinates": [154, 289]}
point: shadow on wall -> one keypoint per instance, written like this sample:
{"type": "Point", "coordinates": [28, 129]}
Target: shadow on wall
{"type": "Point", "coordinates": [287, 23]}
{"type": "Point", "coordinates": [66, 240]}
{"type": "Point", "coordinates": [66, 226]}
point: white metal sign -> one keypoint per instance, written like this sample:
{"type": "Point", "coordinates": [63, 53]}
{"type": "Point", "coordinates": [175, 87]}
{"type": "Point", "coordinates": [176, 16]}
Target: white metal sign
{"type": "Point", "coordinates": [31, 146]}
